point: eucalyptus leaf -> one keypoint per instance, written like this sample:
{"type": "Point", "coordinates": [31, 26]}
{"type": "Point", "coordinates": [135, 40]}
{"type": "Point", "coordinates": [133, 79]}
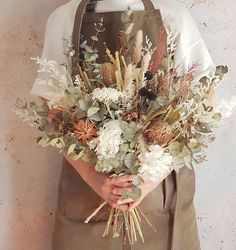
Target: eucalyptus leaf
{"type": "Point", "coordinates": [83, 105]}
{"type": "Point", "coordinates": [217, 117]}
{"type": "Point", "coordinates": [221, 70]}
{"type": "Point", "coordinates": [96, 117]}
{"type": "Point", "coordinates": [61, 139]}
{"type": "Point", "coordinates": [125, 194]}
{"type": "Point", "coordinates": [136, 193]}
{"type": "Point", "coordinates": [175, 148]}
{"type": "Point", "coordinates": [71, 149]}
{"type": "Point", "coordinates": [130, 160]}
{"type": "Point", "coordinates": [129, 134]}
{"type": "Point", "coordinates": [124, 147]}
{"type": "Point", "coordinates": [75, 157]}
{"type": "Point", "coordinates": [135, 180]}
{"type": "Point", "coordinates": [185, 152]}
{"type": "Point", "coordinates": [53, 142]}
{"type": "Point", "coordinates": [203, 128]}
{"type": "Point", "coordinates": [44, 142]}
{"type": "Point", "coordinates": [92, 111]}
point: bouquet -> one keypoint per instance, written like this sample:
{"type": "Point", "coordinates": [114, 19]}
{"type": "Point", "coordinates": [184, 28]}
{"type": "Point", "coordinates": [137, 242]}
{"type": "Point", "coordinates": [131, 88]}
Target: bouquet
{"type": "Point", "coordinates": [131, 114]}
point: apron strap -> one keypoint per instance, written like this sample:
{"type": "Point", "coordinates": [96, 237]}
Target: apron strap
{"type": "Point", "coordinates": [79, 18]}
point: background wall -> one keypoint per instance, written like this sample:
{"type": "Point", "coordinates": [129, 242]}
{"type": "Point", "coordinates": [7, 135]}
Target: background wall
{"type": "Point", "coordinates": [29, 174]}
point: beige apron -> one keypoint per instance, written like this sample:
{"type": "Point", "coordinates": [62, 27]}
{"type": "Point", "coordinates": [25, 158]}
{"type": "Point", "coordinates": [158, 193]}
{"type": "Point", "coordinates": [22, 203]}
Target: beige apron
{"type": "Point", "coordinates": [170, 206]}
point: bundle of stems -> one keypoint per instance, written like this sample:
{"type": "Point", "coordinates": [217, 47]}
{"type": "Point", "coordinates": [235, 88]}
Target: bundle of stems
{"type": "Point", "coordinates": [126, 223]}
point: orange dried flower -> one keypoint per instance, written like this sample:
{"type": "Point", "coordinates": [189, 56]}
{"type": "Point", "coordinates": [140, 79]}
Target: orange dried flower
{"type": "Point", "coordinates": [129, 116]}
{"type": "Point", "coordinates": [107, 71]}
{"type": "Point", "coordinates": [85, 130]}
{"type": "Point", "coordinates": [52, 113]}
{"type": "Point", "coordinates": [158, 132]}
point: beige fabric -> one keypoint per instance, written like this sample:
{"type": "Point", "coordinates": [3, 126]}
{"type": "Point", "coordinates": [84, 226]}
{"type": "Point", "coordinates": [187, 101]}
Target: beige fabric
{"type": "Point", "coordinates": [170, 206]}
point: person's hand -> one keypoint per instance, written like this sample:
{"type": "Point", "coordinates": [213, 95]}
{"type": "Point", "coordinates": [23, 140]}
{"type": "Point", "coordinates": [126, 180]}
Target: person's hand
{"type": "Point", "coordinates": [109, 188]}
{"type": "Point", "coordinates": [101, 183]}
{"type": "Point", "coordinates": [146, 187]}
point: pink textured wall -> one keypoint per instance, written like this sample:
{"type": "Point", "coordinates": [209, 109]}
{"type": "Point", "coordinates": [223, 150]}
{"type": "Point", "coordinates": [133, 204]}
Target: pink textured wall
{"type": "Point", "coordinates": [29, 174]}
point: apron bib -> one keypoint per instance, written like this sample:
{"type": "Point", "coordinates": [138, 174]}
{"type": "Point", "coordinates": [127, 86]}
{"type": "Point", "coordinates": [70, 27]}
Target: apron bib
{"type": "Point", "coordinates": [169, 207]}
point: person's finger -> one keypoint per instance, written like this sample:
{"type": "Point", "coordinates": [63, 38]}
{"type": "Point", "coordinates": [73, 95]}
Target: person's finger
{"type": "Point", "coordinates": [134, 204]}
{"type": "Point", "coordinates": [122, 184]}
{"type": "Point", "coordinates": [123, 178]}
{"type": "Point", "coordinates": [114, 197]}
{"type": "Point", "coordinates": [125, 201]}
{"type": "Point", "coordinates": [118, 191]}
{"type": "Point", "coordinates": [123, 207]}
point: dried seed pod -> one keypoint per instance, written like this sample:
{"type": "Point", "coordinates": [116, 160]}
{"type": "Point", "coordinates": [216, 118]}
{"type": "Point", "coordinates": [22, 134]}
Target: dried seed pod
{"type": "Point", "coordinates": [107, 71]}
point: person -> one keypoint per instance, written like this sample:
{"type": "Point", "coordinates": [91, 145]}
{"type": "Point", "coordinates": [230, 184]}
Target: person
{"type": "Point", "coordinates": [168, 203]}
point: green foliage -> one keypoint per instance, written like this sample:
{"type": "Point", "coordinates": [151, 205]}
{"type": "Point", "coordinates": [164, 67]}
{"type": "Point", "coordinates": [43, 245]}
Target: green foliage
{"type": "Point", "coordinates": [135, 194]}
{"type": "Point", "coordinates": [92, 111]}
{"type": "Point", "coordinates": [221, 70]}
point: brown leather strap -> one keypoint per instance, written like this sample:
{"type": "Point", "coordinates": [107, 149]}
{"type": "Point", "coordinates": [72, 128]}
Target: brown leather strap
{"type": "Point", "coordinates": [79, 18]}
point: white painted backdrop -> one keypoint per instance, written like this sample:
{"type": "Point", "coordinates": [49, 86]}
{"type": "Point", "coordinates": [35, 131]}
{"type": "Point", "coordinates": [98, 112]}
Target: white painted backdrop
{"type": "Point", "coordinates": [29, 174]}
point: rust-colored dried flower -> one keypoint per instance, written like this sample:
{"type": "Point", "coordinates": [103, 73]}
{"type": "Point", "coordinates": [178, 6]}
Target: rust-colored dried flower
{"type": "Point", "coordinates": [158, 132]}
{"type": "Point", "coordinates": [52, 113]}
{"type": "Point", "coordinates": [85, 130]}
{"type": "Point", "coordinates": [107, 71]}
{"type": "Point", "coordinates": [130, 116]}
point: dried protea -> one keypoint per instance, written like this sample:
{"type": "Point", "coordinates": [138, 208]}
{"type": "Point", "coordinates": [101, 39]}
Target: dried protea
{"type": "Point", "coordinates": [85, 130]}
{"type": "Point", "coordinates": [53, 112]}
{"type": "Point", "coordinates": [158, 132]}
{"type": "Point", "coordinates": [130, 116]}
{"type": "Point", "coordinates": [107, 71]}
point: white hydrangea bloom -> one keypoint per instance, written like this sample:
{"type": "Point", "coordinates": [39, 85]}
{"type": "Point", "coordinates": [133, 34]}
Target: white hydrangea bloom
{"type": "Point", "coordinates": [155, 163]}
{"type": "Point", "coordinates": [106, 95]}
{"type": "Point", "coordinates": [107, 144]}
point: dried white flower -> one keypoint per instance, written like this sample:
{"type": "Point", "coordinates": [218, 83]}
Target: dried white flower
{"type": "Point", "coordinates": [106, 95]}
{"type": "Point", "coordinates": [55, 78]}
{"type": "Point", "coordinates": [171, 41]}
{"type": "Point", "coordinates": [128, 95]}
{"type": "Point", "coordinates": [107, 144]}
{"type": "Point", "coordinates": [26, 117]}
{"type": "Point", "coordinates": [155, 163]}
{"type": "Point", "coordinates": [78, 81]}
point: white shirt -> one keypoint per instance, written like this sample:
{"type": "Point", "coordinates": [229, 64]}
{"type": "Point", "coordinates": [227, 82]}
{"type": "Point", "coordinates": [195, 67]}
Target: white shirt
{"type": "Point", "coordinates": [190, 49]}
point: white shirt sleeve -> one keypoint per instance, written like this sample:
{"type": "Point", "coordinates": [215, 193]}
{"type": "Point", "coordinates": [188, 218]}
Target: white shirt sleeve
{"type": "Point", "coordinates": [191, 49]}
